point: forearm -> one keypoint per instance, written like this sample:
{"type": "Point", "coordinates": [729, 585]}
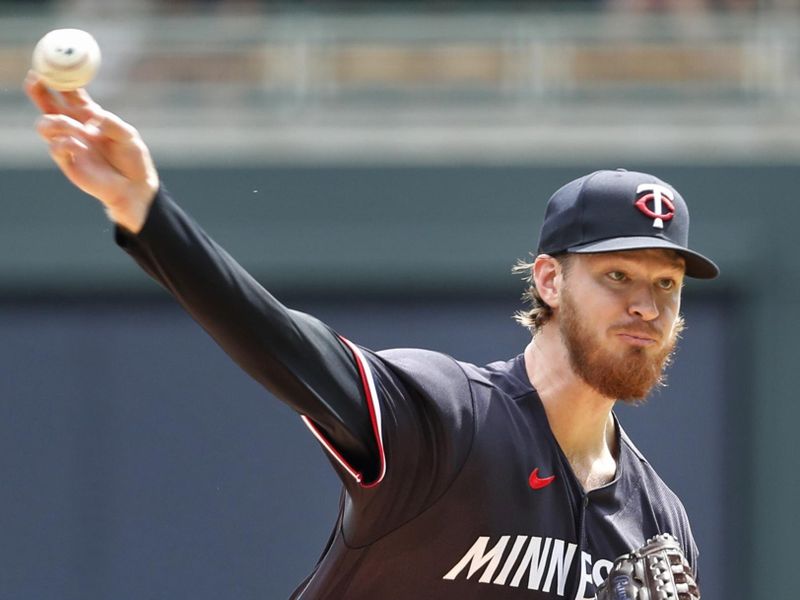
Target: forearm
{"type": "Point", "coordinates": [294, 355]}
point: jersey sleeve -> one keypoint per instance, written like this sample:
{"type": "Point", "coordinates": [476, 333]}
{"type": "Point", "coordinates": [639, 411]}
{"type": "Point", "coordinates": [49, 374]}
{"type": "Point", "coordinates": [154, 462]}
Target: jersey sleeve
{"type": "Point", "coordinates": [294, 355]}
{"type": "Point", "coordinates": [402, 419]}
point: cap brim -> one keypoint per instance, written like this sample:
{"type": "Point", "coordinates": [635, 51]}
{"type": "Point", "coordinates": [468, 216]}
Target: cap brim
{"type": "Point", "coordinates": [697, 265]}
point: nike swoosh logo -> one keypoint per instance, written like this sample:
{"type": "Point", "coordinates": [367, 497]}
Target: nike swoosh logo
{"type": "Point", "coordinates": [537, 482]}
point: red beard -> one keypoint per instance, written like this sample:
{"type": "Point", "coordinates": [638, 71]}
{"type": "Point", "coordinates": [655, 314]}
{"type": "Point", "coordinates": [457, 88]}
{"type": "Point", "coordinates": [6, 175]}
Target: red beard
{"type": "Point", "coordinates": [628, 377]}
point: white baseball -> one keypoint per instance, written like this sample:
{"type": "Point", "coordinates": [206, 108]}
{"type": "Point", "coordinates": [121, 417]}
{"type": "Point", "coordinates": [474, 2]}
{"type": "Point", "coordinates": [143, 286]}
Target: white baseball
{"type": "Point", "coordinates": [66, 59]}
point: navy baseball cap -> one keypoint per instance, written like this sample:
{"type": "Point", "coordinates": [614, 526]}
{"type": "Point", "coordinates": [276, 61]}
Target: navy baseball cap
{"type": "Point", "coordinates": [608, 211]}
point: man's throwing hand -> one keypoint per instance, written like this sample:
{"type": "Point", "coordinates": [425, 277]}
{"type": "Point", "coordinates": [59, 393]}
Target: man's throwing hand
{"type": "Point", "coordinates": [98, 152]}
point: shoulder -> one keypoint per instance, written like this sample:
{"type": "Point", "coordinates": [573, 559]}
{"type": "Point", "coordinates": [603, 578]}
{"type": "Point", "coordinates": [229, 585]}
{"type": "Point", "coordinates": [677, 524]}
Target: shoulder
{"type": "Point", "coordinates": [426, 364]}
{"type": "Point", "coordinates": [462, 397]}
{"type": "Point", "coordinates": [432, 373]}
{"type": "Point", "coordinates": [438, 370]}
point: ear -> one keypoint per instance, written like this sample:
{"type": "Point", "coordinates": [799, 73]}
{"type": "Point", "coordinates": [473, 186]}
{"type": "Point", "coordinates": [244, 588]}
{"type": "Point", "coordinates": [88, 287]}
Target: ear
{"type": "Point", "coordinates": [547, 275]}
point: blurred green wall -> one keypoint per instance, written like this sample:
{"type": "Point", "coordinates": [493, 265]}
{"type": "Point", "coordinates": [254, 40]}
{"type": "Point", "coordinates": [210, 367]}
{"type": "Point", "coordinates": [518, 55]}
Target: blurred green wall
{"type": "Point", "coordinates": [378, 228]}
{"type": "Point", "coordinates": [458, 229]}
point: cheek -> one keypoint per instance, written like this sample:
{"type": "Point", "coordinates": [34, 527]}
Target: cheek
{"type": "Point", "coordinates": [598, 307]}
{"type": "Point", "coordinates": [670, 313]}
{"type": "Point", "coordinates": [609, 307]}
{"type": "Point", "coordinates": [671, 307]}
{"type": "Point", "coordinates": [600, 315]}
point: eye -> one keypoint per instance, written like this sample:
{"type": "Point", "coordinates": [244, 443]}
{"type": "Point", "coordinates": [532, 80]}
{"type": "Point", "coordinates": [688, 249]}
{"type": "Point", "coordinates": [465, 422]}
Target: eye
{"type": "Point", "coordinates": [666, 284]}
{"type": "Point", "coordinates": [617, 276]}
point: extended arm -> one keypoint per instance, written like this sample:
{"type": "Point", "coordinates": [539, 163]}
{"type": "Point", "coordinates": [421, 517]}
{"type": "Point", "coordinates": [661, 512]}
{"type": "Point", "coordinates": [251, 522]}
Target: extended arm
{"type": "Point", "coordinates": [297, 357]}
{"type": "Point", "coordinates": [294, 355]}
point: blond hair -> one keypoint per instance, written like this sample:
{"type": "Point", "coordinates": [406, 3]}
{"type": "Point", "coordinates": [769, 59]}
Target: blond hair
{"type": "Point", "coordinates": [539, 312]}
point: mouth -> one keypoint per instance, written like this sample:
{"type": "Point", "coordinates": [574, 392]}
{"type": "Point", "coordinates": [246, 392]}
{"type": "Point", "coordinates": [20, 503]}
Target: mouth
{"type": "Point", "coordinates": [637, 339]}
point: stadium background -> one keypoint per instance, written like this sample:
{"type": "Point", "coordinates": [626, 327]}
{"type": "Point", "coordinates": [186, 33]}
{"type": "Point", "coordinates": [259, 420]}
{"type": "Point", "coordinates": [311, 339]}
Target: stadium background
{"type": "Point", "coordinates": [381, 165]}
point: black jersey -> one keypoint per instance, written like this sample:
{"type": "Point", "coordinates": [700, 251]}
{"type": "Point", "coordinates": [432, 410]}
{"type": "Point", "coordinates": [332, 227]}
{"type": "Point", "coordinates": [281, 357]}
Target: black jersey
{"type": "Point", "coordinates": [454, 486]}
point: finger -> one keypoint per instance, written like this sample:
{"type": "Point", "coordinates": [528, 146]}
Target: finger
{"type": "Point", "coordinates": [111, 126]}
{"type": "Point", "coordinates": [51, 127]}
{"type": "Point", "coordinates": [80, 104]}
{"type": "Point", "coordinates": [66, 144]}
{"type": "Point", "coordinates": [40, 95]}
{"type": "Point", "coordinates": [77, 161]}
{"type": "Point", "coordinates": [64, 151]}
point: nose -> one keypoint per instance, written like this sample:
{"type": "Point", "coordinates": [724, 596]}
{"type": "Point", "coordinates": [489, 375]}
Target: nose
{"type": "Point", "coordinates": [643, 304]}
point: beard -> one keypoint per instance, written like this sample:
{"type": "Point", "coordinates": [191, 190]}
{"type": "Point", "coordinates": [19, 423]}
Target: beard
{"type": "Point", "coordinates": [629, 376]}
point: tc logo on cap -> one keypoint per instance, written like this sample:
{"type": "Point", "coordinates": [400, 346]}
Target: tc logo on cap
{"type": "Point", "coordinates": [661, 197]}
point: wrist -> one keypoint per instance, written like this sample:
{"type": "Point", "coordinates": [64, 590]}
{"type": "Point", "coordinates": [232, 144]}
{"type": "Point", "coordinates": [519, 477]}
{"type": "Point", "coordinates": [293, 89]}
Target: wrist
{"type": "Point", "coordinates": [131, 209]}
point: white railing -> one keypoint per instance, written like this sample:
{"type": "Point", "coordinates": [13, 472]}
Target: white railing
{"type": "Point", "coordinates": [304, 85]}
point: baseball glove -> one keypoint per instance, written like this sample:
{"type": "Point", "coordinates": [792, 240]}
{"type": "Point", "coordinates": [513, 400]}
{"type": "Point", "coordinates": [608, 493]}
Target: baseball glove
{"type": "Point", "coordinates": [656, 571]}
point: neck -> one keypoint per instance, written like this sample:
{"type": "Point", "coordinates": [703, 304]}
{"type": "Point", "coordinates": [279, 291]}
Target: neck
{"type": "Point", "coordinates": [579, 417]}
